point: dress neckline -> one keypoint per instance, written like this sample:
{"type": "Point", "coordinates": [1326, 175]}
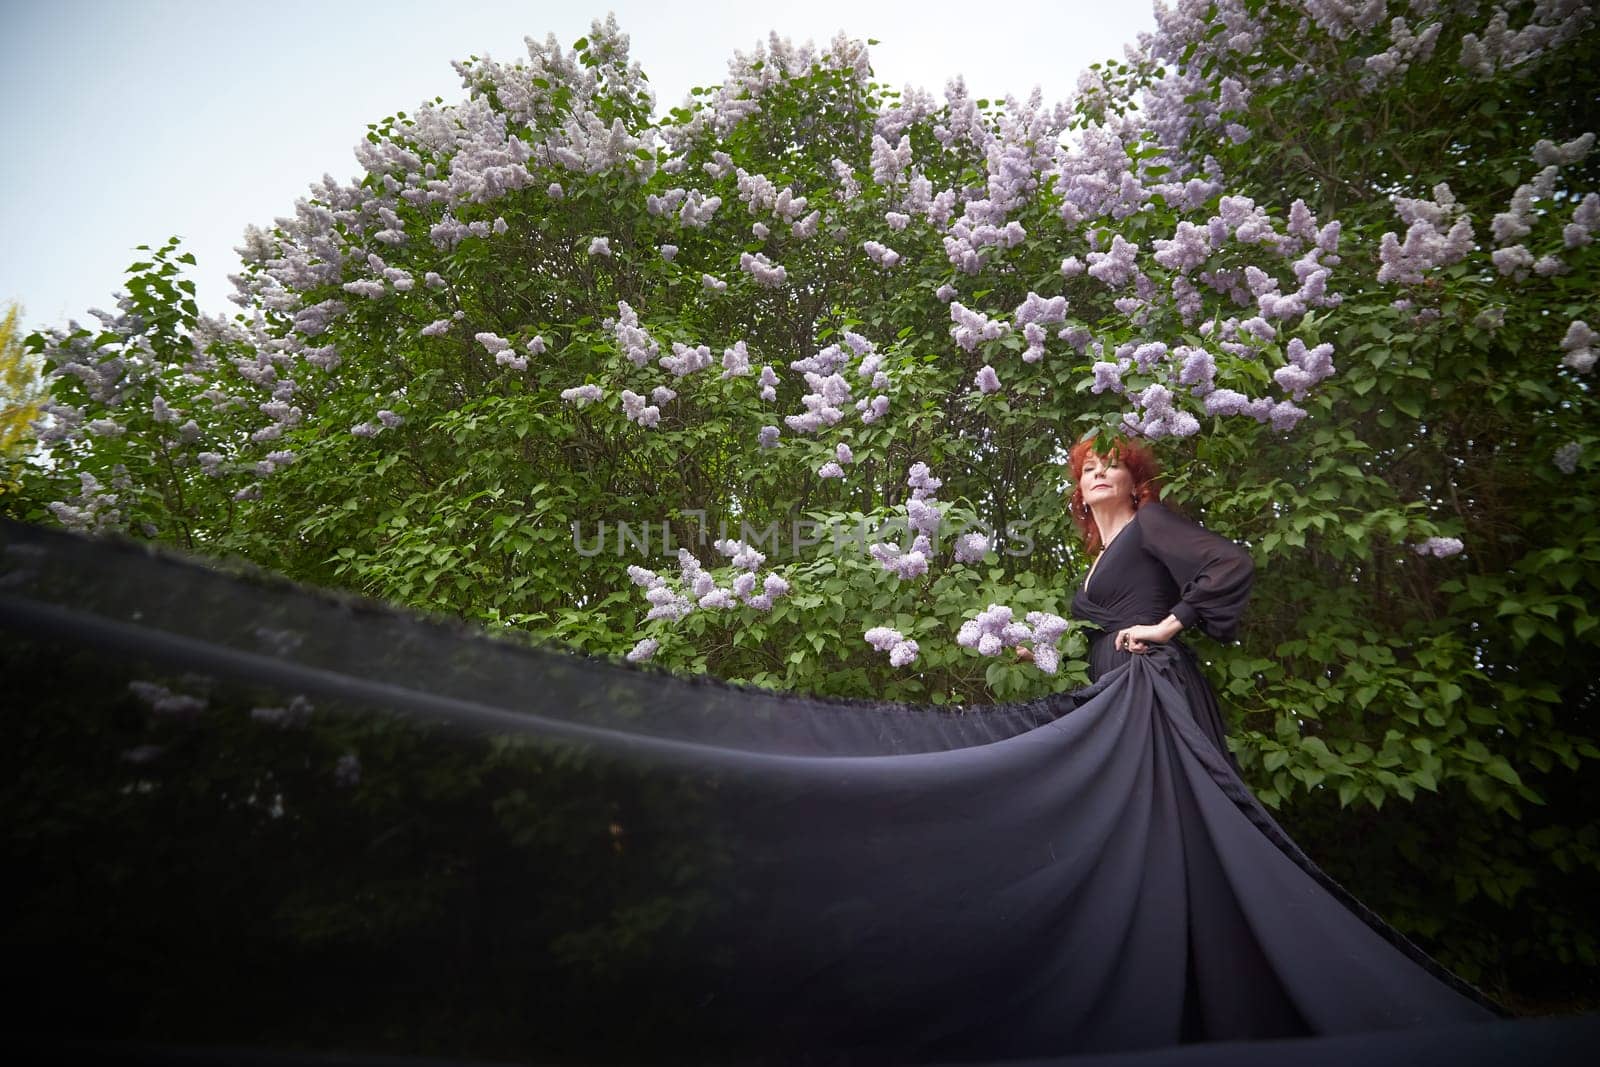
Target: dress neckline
{"type": "Point", "coordinates": [1104, 549]}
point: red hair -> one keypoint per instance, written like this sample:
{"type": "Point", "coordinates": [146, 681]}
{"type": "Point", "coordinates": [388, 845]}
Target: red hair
{"type": "Point", "coordinates": [1136, 459]}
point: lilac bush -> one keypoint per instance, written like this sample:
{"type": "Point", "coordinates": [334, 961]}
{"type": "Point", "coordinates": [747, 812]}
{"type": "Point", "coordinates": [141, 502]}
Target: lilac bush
{"type": "Point", "coordinates": [552, 278]}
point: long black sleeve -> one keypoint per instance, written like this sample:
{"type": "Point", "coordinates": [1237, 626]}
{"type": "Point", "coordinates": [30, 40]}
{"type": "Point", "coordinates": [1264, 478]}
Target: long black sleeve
{"type": "Point", "coordinates": [1213, 574]}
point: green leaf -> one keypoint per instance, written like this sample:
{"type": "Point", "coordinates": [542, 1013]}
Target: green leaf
{"type": "Point", "coordinates": [993, 674]}
{"type": "Point", "coordinates": [1499, 768]}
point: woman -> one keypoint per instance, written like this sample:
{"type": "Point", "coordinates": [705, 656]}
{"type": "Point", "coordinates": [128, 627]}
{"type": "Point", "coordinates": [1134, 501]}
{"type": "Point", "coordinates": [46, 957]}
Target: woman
{"type": "Point", "coordinates": [1166, 575]}
{"type": "Point", "coordinates": [1260, 961]}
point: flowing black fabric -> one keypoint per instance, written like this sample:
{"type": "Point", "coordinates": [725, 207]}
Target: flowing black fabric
{"type": "Point", "coordinates": [245, 812]}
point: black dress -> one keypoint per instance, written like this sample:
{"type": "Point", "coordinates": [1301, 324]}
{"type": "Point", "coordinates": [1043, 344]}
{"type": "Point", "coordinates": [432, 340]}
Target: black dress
{"type": "Point", "coordinates": [1161, 564]}
{"type": "Point", "coordinates": [1268, 944]}
{"type": "Point", "coordinates": [407, 825]}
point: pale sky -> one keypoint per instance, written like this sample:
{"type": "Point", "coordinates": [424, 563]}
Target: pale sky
{"type": "Point", "coordinates": [125, 122]}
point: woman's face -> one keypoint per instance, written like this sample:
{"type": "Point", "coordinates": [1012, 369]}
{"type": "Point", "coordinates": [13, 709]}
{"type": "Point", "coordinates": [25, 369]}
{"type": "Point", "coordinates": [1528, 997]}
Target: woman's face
{"type": "Point", "coordinates": [1105, 481]}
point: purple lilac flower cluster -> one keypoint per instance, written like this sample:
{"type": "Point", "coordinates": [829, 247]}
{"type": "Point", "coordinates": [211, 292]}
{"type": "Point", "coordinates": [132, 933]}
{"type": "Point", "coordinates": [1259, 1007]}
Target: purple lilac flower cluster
{"type": "Point", "coordinates": [829, 389]}
{"type": "Point", "coordinates": [735, 360]}
{"type": "Point", "coordinates": [992, 631]}
{"type": "Point", "coordinates": [1550, 25]}
{"type": "Point", "coordinates": [834, 468]}
{"type": "Point", "coordinates": [1306, 367]}
{"type": "Point", "coordinates": [971, 548]}
{"type": "Point", "coordinates": [1529, 203]}
{"type": "Point", "coordinates": [1566, 457]}
{"type": "Point", "coordinates": [1032, 317]}
{"type": "Point", "coordinates": [881, 254]}
{"type": "Point", "coordinates": [763, 270]}
{"type": "Point", "coordinates": [699, 586]}
{"type": "Point", "coordinates": [95, 508]}
{"type": "Point", "coordinates": [1578, 347]}
{"type": "Point", "coordinates": [686, 359]}
{"type": "Point", "coordinates": [902, 650]}
{"type": "Point", "coordinates": [973, 327]}
{"type": "Point", "coordinates": [163, 701]}
{"type": "Point", "coordinates": [635, 343]}
{"type": "Point", "coordinates": [1428, 245]}
{"type": "Point", "coordinates": [923, 516]}
{"type": "Point", "coordinates": [1440, 547]}
{"type": "Point", "coordinates": [637, 411]}
{"type": "Point", "coordinates": [583, 394]}
{"type": "Point", "coordinates": [1406, 48]}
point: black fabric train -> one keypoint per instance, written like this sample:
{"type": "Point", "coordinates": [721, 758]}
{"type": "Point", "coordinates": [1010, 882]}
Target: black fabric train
{"type": "Point", "coordinates": [242, 812]}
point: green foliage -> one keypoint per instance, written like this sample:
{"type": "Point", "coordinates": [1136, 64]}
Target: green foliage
{"type": "Point", "coordinates": [20, 393]}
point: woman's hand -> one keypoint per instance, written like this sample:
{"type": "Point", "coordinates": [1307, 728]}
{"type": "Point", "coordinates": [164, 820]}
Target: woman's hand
{"type": "Point", "coordinates": [1024, 654]}
{"type": "Point", "coordinates": [1140, 638]}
